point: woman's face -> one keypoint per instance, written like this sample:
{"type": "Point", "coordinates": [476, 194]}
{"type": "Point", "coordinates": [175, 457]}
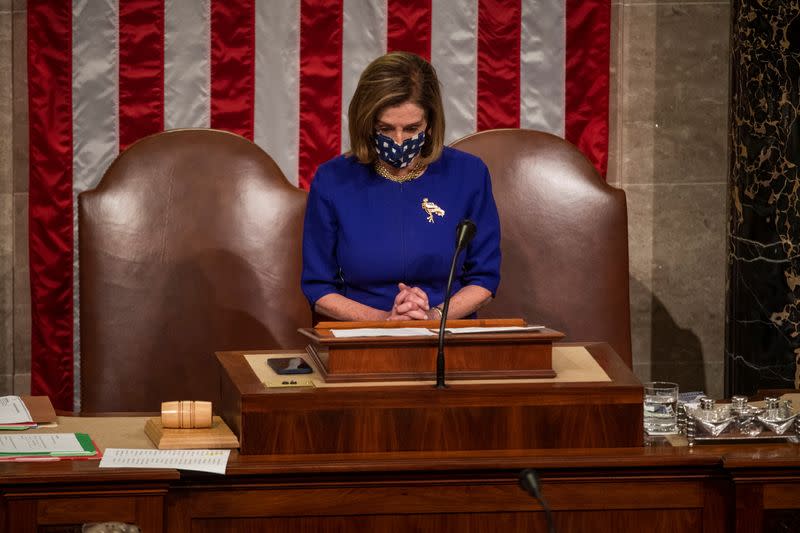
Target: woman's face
{"type": "Point", "coordinates": [401, 122]}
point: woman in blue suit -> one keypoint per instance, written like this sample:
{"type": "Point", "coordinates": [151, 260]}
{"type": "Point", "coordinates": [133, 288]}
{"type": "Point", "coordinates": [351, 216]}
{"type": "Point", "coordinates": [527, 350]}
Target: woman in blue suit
{"type": "Point", "coordinates": [381, 220]}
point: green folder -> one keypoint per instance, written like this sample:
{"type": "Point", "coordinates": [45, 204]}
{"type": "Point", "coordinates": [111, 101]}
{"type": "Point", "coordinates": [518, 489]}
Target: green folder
{"type": "Point", "coordinates": [84, 440]}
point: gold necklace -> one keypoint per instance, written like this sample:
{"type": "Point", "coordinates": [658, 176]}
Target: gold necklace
{"type": "Point", "coordinates": [413, 174]}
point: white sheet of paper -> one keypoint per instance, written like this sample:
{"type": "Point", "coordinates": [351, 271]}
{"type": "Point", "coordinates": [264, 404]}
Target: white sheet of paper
{"type": "Point", "coordinates": [13, 410]}
{"type": "Point", "coordinates": [494, 329]}
{"type": "Point", "coordinates": [381, 332]}
{"type": "Point", "coordinates": [213, 461]}
{"type": "Point", "coordinates": [40, 443]}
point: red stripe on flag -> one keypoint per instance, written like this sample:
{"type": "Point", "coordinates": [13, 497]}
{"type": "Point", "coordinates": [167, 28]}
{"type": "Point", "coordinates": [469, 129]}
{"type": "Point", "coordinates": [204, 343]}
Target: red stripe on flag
{"type": "Point", "coordinates": [233, 69]}
{"type": "Point", "coordinates": [408, 27]}
{"type": "Point", "coordinates": [50, 198]}
{"type": "Point", "coordinates": [141, 70]}
{"type": "Point", "coordinates": [499, 32]}
{"type": "Point", "coordinates": [587, 78]}
{"type": "Point", "coordinates": [320, 84]}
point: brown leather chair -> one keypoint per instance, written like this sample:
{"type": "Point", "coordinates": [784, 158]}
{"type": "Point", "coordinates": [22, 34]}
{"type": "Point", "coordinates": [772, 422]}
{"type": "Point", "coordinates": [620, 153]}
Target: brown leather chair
{"type": "Point", "coordinates": [564, 237]}
{"type": "Point", "coordinates": [190, 244]}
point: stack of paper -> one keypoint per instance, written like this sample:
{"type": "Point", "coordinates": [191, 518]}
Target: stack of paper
{"type": "Point", "coordinates": [46, 446]}
{"type": "Point", "coordinates": [493, 329]}
{"type": "Point", "coordinates": [426, 332]}
{"type": "Point", "coordinates": [14, 414]}
{"type": "Point", "coordinates": [25, 412]}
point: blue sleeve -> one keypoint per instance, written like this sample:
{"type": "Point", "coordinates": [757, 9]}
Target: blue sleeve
{"type": "Point", "coordinates": [320, 270]}
{"type": "Point", "coordinates": [482, 262]}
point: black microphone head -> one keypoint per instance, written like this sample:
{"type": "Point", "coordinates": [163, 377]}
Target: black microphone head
{"type": "Point", "coordinates": [529, 481]}
{"type": "Point", "coordinates": [465, 232]}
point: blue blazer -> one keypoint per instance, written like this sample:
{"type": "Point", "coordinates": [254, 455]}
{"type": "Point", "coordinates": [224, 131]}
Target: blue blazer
{"type": "Point", "coordinates": [363, 233]}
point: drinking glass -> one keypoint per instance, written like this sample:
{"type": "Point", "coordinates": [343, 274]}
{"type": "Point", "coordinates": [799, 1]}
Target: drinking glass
{"type": "Point", "coordinates": [660, 407]}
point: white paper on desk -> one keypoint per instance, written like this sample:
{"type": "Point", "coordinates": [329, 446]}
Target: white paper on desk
{"type": "Point", "coordinates": [494, 329]}
{"type": "Point", "coordinates": [213, 461]}
{"type": "Point", "coordinates": [40, 443]}
{"type": "Point", "coordinates": [381, 332]}
{"type": "Point", "coordinates": [13, 410]}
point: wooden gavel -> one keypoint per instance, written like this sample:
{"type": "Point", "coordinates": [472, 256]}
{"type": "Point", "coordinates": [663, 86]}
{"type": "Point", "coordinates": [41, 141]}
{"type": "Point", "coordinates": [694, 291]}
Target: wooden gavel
{"type": "Point", "coordinates": [186, 414]}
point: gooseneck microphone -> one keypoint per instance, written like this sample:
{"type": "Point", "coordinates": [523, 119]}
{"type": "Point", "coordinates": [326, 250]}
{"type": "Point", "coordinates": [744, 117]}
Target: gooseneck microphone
{"type": "Point", "coordinates": [529, 481]}
{"type": "Point", "coordinates": [464, 233]}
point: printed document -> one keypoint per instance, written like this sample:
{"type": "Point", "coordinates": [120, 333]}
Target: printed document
{"type": "Point", "coordinates": [13, 410]}
{"type": "Point", "coordinates": [213, 461]}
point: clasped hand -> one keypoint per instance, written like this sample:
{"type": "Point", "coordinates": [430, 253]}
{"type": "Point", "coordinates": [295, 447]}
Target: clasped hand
{"type": "Point", "coordinates": [411, 303]}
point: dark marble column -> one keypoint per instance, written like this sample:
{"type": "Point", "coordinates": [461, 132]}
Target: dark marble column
{"type": "Point", "coordinates": [763, 290]}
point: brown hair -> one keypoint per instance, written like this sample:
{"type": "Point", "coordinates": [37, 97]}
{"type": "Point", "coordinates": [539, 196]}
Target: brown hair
{"type": "Point", "coordinates": [390, 80]}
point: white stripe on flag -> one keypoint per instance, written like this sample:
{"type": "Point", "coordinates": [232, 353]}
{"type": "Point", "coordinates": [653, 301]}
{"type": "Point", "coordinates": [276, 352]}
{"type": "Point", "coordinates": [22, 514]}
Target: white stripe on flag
{"type": "Point", "coordinates": [95, 128]}
{"type": "Point", "coordinates": [187, 64]}
{"type": "Point", "coordinates": [363, 39]}
{"type": "Point", "coordinates": [277, 82]}
{"type": "Point", "coordinates": [542, 65]}
{"type": "Point", "coordinates": [454, 54]}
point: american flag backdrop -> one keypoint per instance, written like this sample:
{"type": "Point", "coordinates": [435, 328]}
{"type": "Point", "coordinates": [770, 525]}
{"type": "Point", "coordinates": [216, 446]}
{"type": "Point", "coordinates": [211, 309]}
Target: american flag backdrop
{"type": "Point", "coordinates": [104, 73]}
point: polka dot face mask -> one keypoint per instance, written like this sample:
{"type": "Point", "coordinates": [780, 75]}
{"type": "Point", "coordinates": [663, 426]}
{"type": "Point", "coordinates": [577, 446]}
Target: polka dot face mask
{"type": "Point", "coordinates": [398, 155]}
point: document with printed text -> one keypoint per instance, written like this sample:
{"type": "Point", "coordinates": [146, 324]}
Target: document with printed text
{"type": "Point", "coordinates": [13, 410]}
{"type": "Point", "coordinates": [53, 444]}
{"type": "Point", "coordinates": [494, 329]}
{"type": "Point", "coordinates": [425, 332]}
{"type": "Point", "coordinates": [381, 332]}
{"type": "Point", "coordinates": [213, 461]}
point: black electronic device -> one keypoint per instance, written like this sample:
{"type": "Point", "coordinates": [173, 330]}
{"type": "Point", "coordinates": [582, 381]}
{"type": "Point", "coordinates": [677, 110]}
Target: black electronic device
{"type": "Point", "coordinates": [289, 365]}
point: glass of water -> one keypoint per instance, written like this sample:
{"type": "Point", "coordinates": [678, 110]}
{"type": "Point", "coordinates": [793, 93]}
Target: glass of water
{"type": "Point", "coordinates": [660, 407]}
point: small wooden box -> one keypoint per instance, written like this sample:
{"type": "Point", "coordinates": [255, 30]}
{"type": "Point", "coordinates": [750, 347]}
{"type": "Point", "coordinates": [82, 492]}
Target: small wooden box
{"type": "Point", "coordinates": [524, 354]}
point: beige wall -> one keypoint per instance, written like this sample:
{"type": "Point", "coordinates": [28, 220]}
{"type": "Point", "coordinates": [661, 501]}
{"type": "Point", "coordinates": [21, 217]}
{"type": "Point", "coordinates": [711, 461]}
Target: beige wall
{"type": "Point", "coordinates": [668, 152]}
{"type": "Point", "coordinates": [9, 203]}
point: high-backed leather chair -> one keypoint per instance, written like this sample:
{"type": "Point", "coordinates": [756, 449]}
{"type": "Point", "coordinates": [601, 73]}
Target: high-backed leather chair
{"type": "Point", "coordinates": [564, 237]}
{"type": "Point", "coordinates": [190, 244]}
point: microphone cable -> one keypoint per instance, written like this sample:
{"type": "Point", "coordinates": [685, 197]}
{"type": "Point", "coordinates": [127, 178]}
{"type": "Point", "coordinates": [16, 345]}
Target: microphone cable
{"type": "Point", "coordinates": [529, 481]}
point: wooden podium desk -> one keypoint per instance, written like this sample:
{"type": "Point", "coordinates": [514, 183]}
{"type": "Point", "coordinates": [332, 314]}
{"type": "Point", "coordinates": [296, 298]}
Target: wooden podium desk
{"type": "Point", "coordinates": [601, 408]}
{"type": "Point", "coordinates": [654, 488]}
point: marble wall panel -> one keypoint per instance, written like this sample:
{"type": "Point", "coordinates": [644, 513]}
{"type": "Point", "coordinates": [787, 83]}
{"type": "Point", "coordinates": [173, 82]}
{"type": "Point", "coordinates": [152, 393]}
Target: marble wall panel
{"type": "Point", "coordinates": [675, 90]}
{"type": "Point", "coordinates": [640, 253]}
{"type": "Point", "coordinates": [21, 383]}
{"type": "Point", "coordinates": [688, 305]}
{"type": "Point", "coordinates": [6, 181]}
{"type": "Point", "coordinates": [672, 164]}
{"type": "Point", "coordinates": [615, 68]}
{"type": "Point", "coordinates": [19, 128]}
{"type": "Point", "coordinates": [6, 383]}
{"type": "Point", "coordinates": [6, 205]}
{"type": "Point", "coordinates": [22, 290]}
{"type": "Point", "coordinates": [6, 285]}
{"type": "Point", "coordinates": [636, 86]}
{"type": "Point", "coordinates": [677, 265]}
{"type": "Point", "coordinates": [763, 312]}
